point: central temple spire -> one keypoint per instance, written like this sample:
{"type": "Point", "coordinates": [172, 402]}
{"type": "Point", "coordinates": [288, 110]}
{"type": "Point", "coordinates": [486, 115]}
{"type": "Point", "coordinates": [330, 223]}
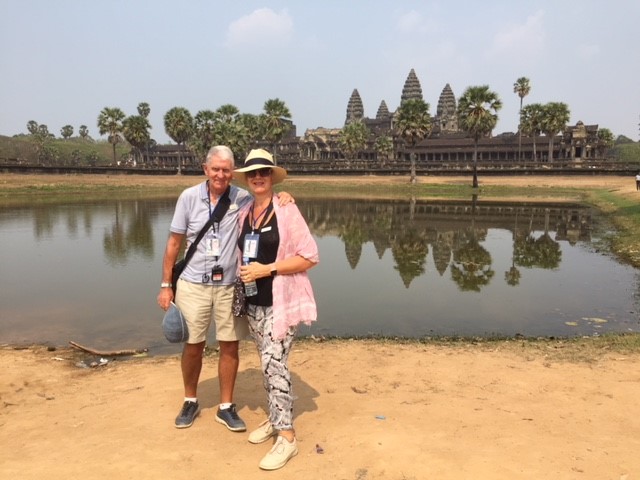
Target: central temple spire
{"type": "Point", "coordinates": [412, 88]}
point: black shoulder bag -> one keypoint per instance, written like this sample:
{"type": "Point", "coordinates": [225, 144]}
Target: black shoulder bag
{"type": "Point", "coordinates": [218, 214]}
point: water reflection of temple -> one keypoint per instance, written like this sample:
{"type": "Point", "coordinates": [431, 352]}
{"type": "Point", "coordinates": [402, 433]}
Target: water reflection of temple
{"type": "Point", "coordinates": [452, 230]}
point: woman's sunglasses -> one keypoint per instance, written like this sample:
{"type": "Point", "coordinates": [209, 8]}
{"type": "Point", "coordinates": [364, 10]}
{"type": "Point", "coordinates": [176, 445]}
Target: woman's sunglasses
{"type": "Point", "coordinates": [263, 172]}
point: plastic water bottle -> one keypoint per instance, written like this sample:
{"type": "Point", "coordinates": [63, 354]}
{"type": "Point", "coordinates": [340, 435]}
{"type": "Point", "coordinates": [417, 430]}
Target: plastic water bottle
{"type": "Point", "coordinates": [250, 288]}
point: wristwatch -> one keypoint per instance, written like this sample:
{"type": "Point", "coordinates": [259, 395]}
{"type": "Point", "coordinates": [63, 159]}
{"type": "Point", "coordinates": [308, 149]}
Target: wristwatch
{"type": "Point", "coordinates": [274, 272]}
{"type": "Point", "coordinates": [166, 285]}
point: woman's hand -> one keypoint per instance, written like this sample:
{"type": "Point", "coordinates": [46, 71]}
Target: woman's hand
{"type": "Point", "coordinates": [254, 271]}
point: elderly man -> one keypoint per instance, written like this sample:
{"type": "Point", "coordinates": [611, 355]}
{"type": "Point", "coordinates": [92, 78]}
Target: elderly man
{"type": "Point", "coordinates": [204, 292]}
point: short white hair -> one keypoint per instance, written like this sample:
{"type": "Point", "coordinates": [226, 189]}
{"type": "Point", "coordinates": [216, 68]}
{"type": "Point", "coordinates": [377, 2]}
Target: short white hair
{"type": "Point", "coordinates": [221, 151]}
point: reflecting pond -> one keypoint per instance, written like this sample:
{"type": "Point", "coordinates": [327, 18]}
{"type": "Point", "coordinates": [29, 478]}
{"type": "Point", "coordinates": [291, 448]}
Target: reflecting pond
{"type": "Point", "coordinates": [89, 271]}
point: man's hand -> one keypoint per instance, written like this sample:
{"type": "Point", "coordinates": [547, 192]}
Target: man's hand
{"type": "Point", "coordinates": [165, 297]}
{"type": "Point", "coordinates": [285, 198]}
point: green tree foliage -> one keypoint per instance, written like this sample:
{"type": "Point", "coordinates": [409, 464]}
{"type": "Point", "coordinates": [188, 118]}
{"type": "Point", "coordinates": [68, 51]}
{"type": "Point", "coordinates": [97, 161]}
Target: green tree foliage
{"type": "Point", "coordinates": [555, 116]}
{"type": "Point", "coordinates": [413, 124]}
{"type": "Point", "coordinates": [231, 131]}
{"type": "Point", "coordinates": [41, 137]}
{"type": "Point", "coordinates": [204, 124]}
{"type": "Point", "coordinates": [178, 124]}
{"type": "Point", "coordinates": [144, 109]}
{"type": "Point", "coordinates": [605, 141]}
{"type": "Point", "coordinates": [353, 138]}
{"type": "Point", "coordinates": [83, 131]}
{"type": "Point", "coordinates": [277, 122]}
{"type": "Point", "coordinates": [254, 126]}
{"type": "Point", "coordinates": [136, 130]}
{"type": "Point", "coordinates": [384, 148]}
{"type": "Point", "coordinates": [478, 115]}
{"type": "Point", "coordinates": [32, 127]}
{"type": "Point", "coordinates": [66, 132]}
{"type": "Point", "coordinates": [110, 124]}
{"type": "Point", "coordinates": [531, 122]}
{"type": "Point", "coordinates": [522, 87]}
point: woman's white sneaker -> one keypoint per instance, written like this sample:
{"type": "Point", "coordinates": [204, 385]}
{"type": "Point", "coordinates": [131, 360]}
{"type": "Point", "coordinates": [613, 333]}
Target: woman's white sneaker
{"type": "Point", "coordinates": [279, 455]}
{"type": "Point", "coordinates": [263, 433]}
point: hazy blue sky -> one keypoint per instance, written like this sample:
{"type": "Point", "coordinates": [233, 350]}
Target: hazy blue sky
{"type": "Point", "coordinates": [63, 61]}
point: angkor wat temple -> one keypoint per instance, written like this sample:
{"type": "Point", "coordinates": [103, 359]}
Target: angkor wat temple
{"type": "Point", "coordinates": [446, 146]}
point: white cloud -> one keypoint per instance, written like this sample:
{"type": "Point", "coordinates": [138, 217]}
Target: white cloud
{"type": "Point", "coordinates": [413, 22]}
{"type": "Point", "coordinates": [262, 27]}
{"type": "Point", "coordinates": [522, 41]}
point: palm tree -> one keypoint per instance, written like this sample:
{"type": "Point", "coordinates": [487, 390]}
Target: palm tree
{"type": "Point", "coordinates": [384, 148]}
{"type": "Point", "coordinates": [178, 124]}
{"type": "Point", "coordinates": [136, 132]}
{"type": "Point", "coordinates": [255, 127]}
{"type": "Point", "coordinates": [144, 109]}
{"type": "Point", "coordinates": [204, 124]}
{"type": "Point", "coordinates": [230, 130]}
{"type": "Point", "coordinates": [554, 120]}
{"type": "Point", "coordinates": [531, 123]}
{"type": "Point", "coordinates": [66, 132]}
{"type": "Point", "coordinates": [413, 124]}
{"type": "Point", "coordinates": [522, 88]}
{"type": "Point", "coordinates": [110, 124]}
{"type": "Point", "coordinates": [32, 127]}
{"type": "Point", "coordinates": [227, 113]}
{"type": "Point", "coordinates": [353, 138]}
{"type": "Point", "coordinates": [477, 115]}
{"type": "Point", "coordinates": [277, 121]}
{"type": "Point", "coordinates": [83, 131]}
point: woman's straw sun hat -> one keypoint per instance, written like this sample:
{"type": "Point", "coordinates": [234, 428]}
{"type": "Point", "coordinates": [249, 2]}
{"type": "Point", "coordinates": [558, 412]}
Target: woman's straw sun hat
{"type": "Point", "coordinates": [259, 158]}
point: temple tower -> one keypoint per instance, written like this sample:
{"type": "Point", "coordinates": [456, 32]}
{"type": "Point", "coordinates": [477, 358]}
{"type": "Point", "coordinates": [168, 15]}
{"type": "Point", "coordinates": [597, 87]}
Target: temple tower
{"type": "Point", "coordinates": [446, 119]}
{"type": "Point", "coordinates": [355, 109]}
{"type": "Point", "coordinates": [412, 88]}
{"type": "Point", "coordinates": [383, 111]}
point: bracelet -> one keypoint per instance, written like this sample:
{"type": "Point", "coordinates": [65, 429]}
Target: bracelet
{"type": "Point", "coordinates": [166, 285]}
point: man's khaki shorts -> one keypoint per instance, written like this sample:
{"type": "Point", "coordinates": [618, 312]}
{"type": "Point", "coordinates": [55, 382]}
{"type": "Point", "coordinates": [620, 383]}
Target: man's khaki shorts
{"type": "Point", "coordinates": [201, 304]}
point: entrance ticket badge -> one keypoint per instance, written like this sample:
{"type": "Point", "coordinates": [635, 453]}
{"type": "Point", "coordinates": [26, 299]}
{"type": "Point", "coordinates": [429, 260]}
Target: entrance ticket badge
{"type": "Point", "coordinates": [250, 249]}
{"type": "Point", "coordinates": [212, 245]}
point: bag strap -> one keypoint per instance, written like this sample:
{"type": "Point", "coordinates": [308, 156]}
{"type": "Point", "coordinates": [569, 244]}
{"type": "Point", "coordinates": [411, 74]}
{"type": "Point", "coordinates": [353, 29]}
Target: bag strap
{"type": "Point", "coordinates": [218, 214]}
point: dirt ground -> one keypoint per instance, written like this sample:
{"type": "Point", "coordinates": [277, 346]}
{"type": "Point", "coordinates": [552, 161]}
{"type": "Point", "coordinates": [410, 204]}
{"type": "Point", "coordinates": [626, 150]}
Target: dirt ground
{"type": "Point", "coordinates": [624, 184]}
{"type": "Point", "coordinates": [377, 410]}
{"type": "Point", "coordinates": [365, 410]}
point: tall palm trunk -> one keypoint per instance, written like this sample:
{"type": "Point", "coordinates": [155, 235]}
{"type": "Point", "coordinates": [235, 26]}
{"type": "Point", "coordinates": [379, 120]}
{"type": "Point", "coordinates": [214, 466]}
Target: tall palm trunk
{"type": "Point", "coordinates": [412, 157]}
{"type": "Point", "coordinates": [550, 155]}
{"type": "Point", "coordinates": [475, 162]}
{"type": "Point", "coordinates": [520, 134]}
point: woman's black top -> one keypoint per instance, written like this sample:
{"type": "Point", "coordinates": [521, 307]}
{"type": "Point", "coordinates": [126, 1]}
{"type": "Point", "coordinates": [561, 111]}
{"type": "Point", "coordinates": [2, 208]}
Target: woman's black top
{"type": "Point", "coordinates": [267, 251]}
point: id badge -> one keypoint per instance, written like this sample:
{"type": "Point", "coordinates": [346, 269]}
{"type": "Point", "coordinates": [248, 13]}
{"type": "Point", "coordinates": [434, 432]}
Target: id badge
{"type": "Point", "coordinates": [216, 274]}
{"type": "Point", "coordinates": [212, 245]}
{"type": "Point", "coordinates": [250, 249]}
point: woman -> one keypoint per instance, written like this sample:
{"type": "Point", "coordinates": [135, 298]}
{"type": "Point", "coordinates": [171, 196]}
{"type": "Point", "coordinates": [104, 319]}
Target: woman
{"type": "Point", "coordinates": [277, 250]}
